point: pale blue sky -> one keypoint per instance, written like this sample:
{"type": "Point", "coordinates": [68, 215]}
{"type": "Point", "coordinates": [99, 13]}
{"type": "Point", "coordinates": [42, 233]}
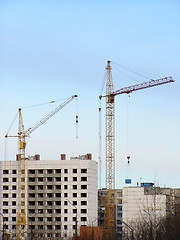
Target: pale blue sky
{"type": "Point", "coordinates": [54, 49]}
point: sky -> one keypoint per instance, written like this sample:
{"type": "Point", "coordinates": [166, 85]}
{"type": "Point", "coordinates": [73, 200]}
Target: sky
{"type": "Point", "coordinates": [51, 50]}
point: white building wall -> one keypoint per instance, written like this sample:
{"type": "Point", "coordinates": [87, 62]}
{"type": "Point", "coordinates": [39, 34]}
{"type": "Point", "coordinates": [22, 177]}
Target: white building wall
{"type": "Point", "coordinates": [138, 206]}
{"type": "Point", "coordinates": [70, 179]}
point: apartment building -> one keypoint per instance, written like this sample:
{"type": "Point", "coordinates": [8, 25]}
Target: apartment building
{"type": "Point", "coordinates": [146, 203]}
{"type": "Point", "coordinates": [101, 209]}
{"type": "Point", "coordinates": [60, 196]}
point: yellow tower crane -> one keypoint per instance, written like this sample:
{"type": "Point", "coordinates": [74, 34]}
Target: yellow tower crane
{"type": "Point", "coordinates": [110, 208]}
{"type": "Point", "coordinates": [22, 134]}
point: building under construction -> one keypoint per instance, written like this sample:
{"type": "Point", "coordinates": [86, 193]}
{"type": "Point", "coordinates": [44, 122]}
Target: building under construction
{"type": "Point", "coordinates": [60, 196]}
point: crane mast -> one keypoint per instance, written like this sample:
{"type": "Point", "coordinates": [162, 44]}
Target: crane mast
{"type": "Point", "coordinates": [110, 156]}
{"type": "Point", "coordinates": [22, 134]}
{"type": "Point", "coordinates": [110, 212]}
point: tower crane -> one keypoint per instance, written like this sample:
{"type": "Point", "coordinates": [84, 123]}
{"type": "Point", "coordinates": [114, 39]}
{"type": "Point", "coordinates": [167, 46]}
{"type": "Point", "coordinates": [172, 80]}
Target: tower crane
{"type": "Point", "coordinates": [22, 135]}
{"type": "Point", "coordinates": [110, 212]}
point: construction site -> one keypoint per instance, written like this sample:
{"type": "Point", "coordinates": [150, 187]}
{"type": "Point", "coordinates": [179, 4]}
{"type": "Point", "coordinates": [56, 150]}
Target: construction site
{"type": "Point", "coordinates": [61, 199]}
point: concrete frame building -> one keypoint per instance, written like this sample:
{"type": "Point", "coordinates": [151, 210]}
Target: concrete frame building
{"type": "Point", "coordinates": [59, 195]}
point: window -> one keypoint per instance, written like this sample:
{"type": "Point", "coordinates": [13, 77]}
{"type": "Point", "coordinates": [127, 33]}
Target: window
{"type": "Point", "coordinates": [74, 194]}
{"type": "Point", "coordinates": [49, 187]}
{"type": "Point", "coordinates": [119, 194]}
{"type": "Point", "coordinates": [40, 226]}
{"type": "Point", "coordinates": [40, 195]}
{"type": "Point", "coordinates": [57, 227]}
{"type": "Point", "coordinates": [58, 203]}
{"type": "Point", "coordinates": [14, 211]}
{"type": "Point", "coordinates": [84, 170]}
{"type": "Point", "coordinates": [119, 222]}
{"type": "Point", "coordinates": [83, 194]}
{"type": "Point", "coordinates": [40, 187]}
{"type": "Point", "coordinates": [74, 219]}
{"type": "Point", "coordinates": [65, 227]}
{"type": "Point", "coordinates": [83, 186]}
{"type": "Point", "coordinates": [5, 211]}
{"type": "Point", "coordinates": [50, 171]}
{"type": "Point", "coordinates": [40, 219]}
{"type": "Point", "coordinates": [5, 203]}
{"type": "Point", "coordinates": [65, 210]}
{"type": "Point", "coordinates": [31, 171]}
{"type": "Point", "coordinates": [5, 179]}
{"type": "Point", "coordinates": [31, 203]}
{"type": "Point", "coordinates": [83, 179]}
{"type": "Point", "coordinates": [119, 201]}
{"type": "Point", "coordinates": [13, 203]}
{"type": "Point", "coordinates": [83, 202]}
{"type": "Point", "coordinates": [65, 195]}
{"type": "Point", "coordinates": [65, 186]}
{"type": "Point", "coordinates": [119, 209]}
{"type": "Point", "coordinates": [14, 187]}
{"type": "Point", "coordinates": [49, 195]}
{"type": "Point", "coordinates": [65, 219]}
{"type": "Point", "coordinates": [65, 170]}
{"type": "Point", "coordinates": [74, 170]}
{"type": "Point", "coordinates": [65, 203]}
{"type": "Point", "coordinates": [58, 195]}
{"type": "Point", "coordinates": [31, 211]}
{"type": "Point", "coordinates": [40, 179]}
{"type": "Point", "coordinates": [31, 179]}
{"type": "Point", "coordinates": [32, 187]}
{"type": "Point", "coordinates": [5, 171]}
{"type": "Point", "coordinates": [13, 226]}
{"type": "Point", "coordinates": [13, 179]}
{"type": "Point", "coordinates": [13, 195]}
{"type": "Point", "coordinates": [58, 186]}
{"type": "Point", "coordinates": [32, 195]}
{"type": "Point", "coordinates": [74, 179]}
{"type": "Point", "coordinates": [58, 219]}
{"type": "Point", "coordinates": [49, 227]}
{"type": "Point", "coordinates": [66, 179]}
{"type": "Point", "coordinates": [40, 171]}
{"type": "Point", "coordinates": [83, 211]}
{"type": "Point", "coordinates": [83, 219]}
{"type": "Point", "coordinates": [5, 195]}
{"type": "Point", "coordinates": [49, 211]}
{"type": "Point", "coordinates": [74, 202]}
{"type": "Point", "coordinates": [119, 215]}
{"type": "Point", "coordinates": [49, 203]}
{"type": "Point", "coordinates": [74, 186]}
{"type": "Point", "coordinates": [49, 219]}
{"type": "Point", "coordinates": [14, 219]}
{"type": "Point", "coordinates": [5, 219]}
{"type": "Point", "coordinates": [58, 210]}
{"type": "Point", "coordinates": [74, 210]}
{"type": "Point", "coordinates": [58, 170]}
{"type": "Point", "coordinates": [14, 171]}
{"type": "Point", "coordinates": [58, 179]}
{"type": "Point", "coordinates": [5, 187]}
{"type": "Point", "coordinates": [49, 179]}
